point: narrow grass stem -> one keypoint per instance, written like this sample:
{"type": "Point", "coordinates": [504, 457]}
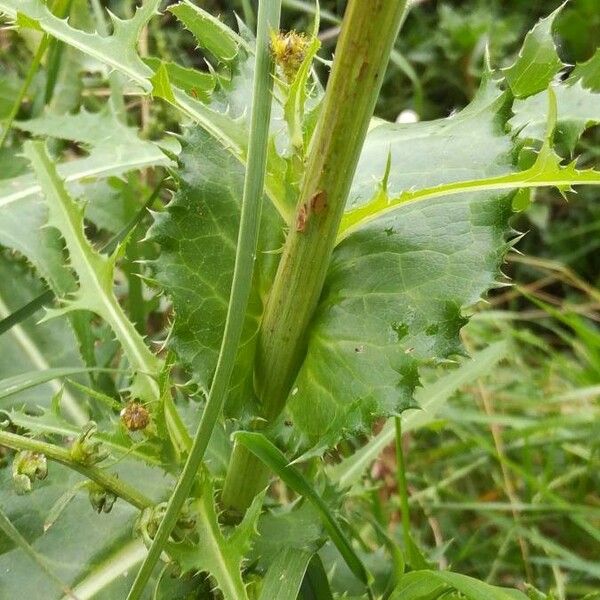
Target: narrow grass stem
{"type": "Point", "coordinates": [62, 455]}
{"type": "Point", "coordinates": [33, 67]}
{"type": "Point", "coordinates": [401, 484]}
{"type": "Point", "coordinates": [268, 18]}
{"type": "Point", "coordinates": [369, 30]}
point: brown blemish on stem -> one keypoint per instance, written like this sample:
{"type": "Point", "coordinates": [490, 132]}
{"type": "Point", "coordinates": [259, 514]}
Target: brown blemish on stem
{"type": "Point", "coordinates": [318, 202]}
{"type": "Point", "coordinates": [302, 218]}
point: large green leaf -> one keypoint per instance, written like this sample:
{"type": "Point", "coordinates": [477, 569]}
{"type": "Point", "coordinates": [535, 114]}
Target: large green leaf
{"type": "Point", "coordinates": [75, 543]}
{"type": "Point", "coordinates": [397, 287]}
{"type": "Point", "coordinates": [198, 235]}
{"type": "Point", "coordinates": [90, 552]}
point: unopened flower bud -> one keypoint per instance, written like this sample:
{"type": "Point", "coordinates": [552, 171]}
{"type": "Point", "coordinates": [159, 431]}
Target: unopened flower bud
{"type": "Point", "coordinates": [27, 466]}
{"type": "Point", "coordinates": [289, 50]}
{"type": "Point", "coordinates": [85, 449]}
{"type": "Point", "coordinates": [101, 499]}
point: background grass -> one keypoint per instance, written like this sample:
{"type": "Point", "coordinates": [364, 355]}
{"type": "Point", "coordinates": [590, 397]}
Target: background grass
{"type": "Point", "coordinates": [506, 486]}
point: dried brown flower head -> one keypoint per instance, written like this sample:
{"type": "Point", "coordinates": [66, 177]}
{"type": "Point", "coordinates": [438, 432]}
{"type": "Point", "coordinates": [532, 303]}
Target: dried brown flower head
{"type": "Point", "coordinates": [135, 416]}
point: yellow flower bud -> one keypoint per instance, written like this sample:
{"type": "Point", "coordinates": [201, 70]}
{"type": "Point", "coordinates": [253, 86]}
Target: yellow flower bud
{"type": "Point", "coordinates": [289, 50]}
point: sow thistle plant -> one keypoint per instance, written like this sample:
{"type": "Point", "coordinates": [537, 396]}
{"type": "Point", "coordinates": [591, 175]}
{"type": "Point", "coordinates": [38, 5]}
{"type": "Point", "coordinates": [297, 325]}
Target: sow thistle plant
{"type": "Point", "coordinates": [315, 259]}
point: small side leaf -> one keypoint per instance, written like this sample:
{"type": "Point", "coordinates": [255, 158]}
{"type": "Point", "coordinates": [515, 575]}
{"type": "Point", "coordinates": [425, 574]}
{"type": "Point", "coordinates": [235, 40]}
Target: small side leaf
{"type": "Point", "coordinates": [210, 33]}
{"type": "Point", "coordinates": [215, 553]}
{"type": "Point", "coordinates": [537, 63]}
{"type": "Point", "coordinates": [161, 85]}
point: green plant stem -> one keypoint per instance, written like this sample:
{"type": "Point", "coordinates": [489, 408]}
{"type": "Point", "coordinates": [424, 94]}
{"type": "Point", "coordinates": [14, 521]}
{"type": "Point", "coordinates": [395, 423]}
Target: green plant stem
{"type": "Point", "coordinates": [268, 19]}
{"type": "Point", "coordinates": [62, 455]}
{"type": "Point", "coordinates": [368, 33]}
{"type": "Point", "coordinates": [401, 483]}
{"type": "Point", "coordinates": [62, 9]}
{"type": "Point", "coordinates": [33, 67]}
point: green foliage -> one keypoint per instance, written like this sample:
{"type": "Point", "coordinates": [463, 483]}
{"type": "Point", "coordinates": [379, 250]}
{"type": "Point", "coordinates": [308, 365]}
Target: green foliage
{"type": "Point", "coordinates": [209, 31]}
{"type": "Point", "coordinates": [419, 585]}
{"type": "Point", "coordinates": [211, 550]}
{"type": "Point", "coordinates": [426, 231]}
{"type": "Point", "coordinates": [118, 49]}
{"type": "Point", "coordinates": [113, 151]}
{"type": "Point", "coordinates": [376, 324]}
{"type": "Point", "coordinates": [197, 235]}
{"type": "Point", "coordinates": [94, 273]}
{"type": "Point", "coordinates": [577, 102]}
{"type": "Point", "coordinates": [34, 348]}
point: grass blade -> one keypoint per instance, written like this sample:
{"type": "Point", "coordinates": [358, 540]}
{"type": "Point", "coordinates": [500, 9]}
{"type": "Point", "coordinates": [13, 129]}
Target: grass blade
{"type": "Point", "coordinates": [268, 19]}
{"type": "Point", "coordinates": [285, 575]}
{"type": "Point", "coordinates": [413, 584]}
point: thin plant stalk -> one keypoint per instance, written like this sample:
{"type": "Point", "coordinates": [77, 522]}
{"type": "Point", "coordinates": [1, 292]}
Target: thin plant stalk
{"type": "Point", "coordinates": [268, 19]}
{"type": "Point", "coordinates": [369, 30]}
{"type": "Point", "coordinates": [402, 485]}
{"type": "Point", "coordinates": [62, 455]}
{"type": "Point", "coordinates": [33, 67]}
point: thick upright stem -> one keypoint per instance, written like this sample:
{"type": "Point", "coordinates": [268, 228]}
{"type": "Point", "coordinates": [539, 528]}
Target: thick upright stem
{"type": "Point", "coordinates": [368, 33]}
